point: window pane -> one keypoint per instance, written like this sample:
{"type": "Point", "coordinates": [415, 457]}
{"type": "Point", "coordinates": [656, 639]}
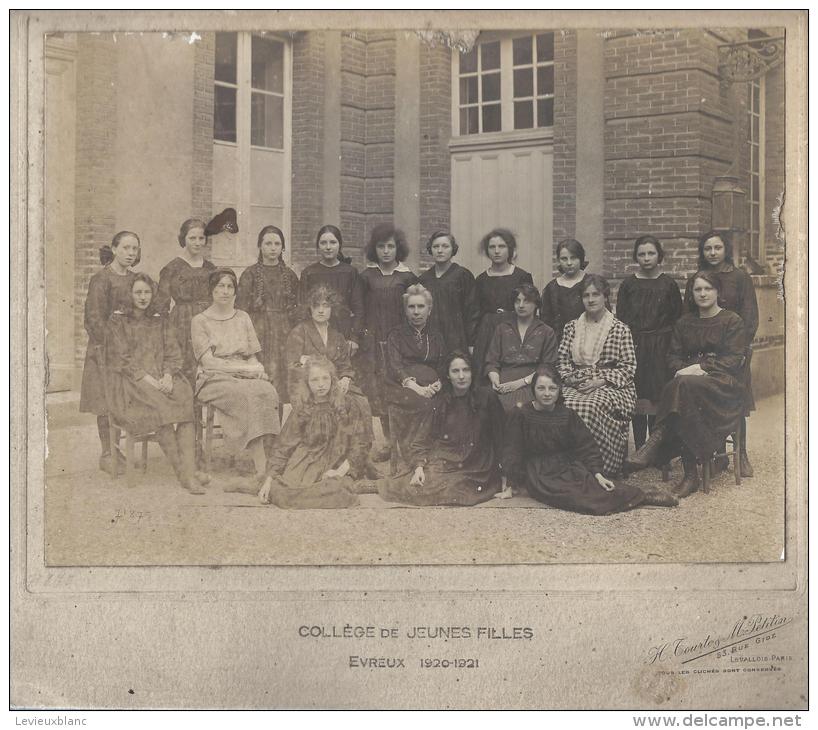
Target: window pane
{"type": "Point", "coordinates": [756, 96]}
{"type": "Point", "coordinates": [225, 69]}
{"type": "Point", "coordinates": [756, 194]}
{"type": "Point", "coordinates": [523, 114]}
{"type": "Point", "coordinates": [469, 121]}
{"type": "Point", "coordinates": [267, 71]}
{"type": "Point", "coordinates": [491, 87]}
{"type": "Point", "coordinates": [523, 82]}
{"type": "Point", "coordinates": [491, 118]}
{"type": "Point", "coordinates": [468, 90]}
{"type": "Point", "coordinates": [224, 114]}
{"type": "Point", "coordinates": [756, 137]}
{"type": "Point", "coordinates": [522, 51]}
{"type": "Point", "coordinates": [545, 112]}
{"type": "Point", "coordinates": [468, 61]}
{"type": "Point", "coordinates": [545, 80]}
{"type": "Point", "coordinates": [545, 47]}
{"type": "Point", "coordinates": [490, 55]}
{"type": "Point", "coordinates": [267, 121]}
{"type": "Point", "coordinates": [754, 219]}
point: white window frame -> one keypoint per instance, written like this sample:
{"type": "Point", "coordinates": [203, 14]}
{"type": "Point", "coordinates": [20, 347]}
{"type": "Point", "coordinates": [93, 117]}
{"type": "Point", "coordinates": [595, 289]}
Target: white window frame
{"type": "Point", "coordinates": [244, 94]}
{"type": "Point", "coordinates": [508, 133]}
{"type": "Point", "coordinates": [756, 248]}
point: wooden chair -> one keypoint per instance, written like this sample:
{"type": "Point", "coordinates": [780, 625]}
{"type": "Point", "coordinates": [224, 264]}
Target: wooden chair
{"type": "Point", "coordinates": [207, 431]}
{"type": "Point", "coordinates": [114, 430]}
{"type": "Point", "coordinates": [736, 440]}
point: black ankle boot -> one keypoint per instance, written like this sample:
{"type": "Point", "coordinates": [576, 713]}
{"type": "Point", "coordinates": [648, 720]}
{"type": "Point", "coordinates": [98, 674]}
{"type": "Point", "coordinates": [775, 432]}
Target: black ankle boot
{"type": "Point", "coordinates": [648, 454]}
{"type": "Point", "coordinates": [690, 482]}
{"type": "Point", "coordinates": [655, 497]}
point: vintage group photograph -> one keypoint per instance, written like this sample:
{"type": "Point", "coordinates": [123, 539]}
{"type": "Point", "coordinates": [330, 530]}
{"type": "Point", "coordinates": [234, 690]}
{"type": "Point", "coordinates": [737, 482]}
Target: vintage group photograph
{"type": "Point", "coordinates": [415, 296]}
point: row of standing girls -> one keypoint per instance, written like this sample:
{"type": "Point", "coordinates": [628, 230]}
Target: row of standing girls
{"type": "Point", "coordinates": [368, 305]}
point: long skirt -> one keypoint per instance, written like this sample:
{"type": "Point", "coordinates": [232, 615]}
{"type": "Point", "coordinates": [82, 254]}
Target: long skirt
{"type": "Point", "coordinates": [702, 409]}
{"type": "Point", "coordinates": [248, 408]}
{"type": "Point", "coordinates": [557, 481]}
{"type": "Point", "coordinates": [440, 487]}
{"type": "Point", "coordinates": [142, 409]}
{"type": "Point", "coordinates": [333, 493]}
{"type": "Point", "coordinates": [517, 397]}
{"type": "Point", "coordinates": [651, 364]}
{"type": "Point", "coordinates": [179, 319]}
{"type": "Point", "coordinates": [92, 390]}
{"type": "Point", "coordinates": [607, 412]}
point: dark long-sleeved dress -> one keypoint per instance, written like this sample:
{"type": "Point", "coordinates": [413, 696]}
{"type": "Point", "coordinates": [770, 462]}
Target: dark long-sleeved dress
{"type": "Point", "coordinates": [343, 279]}
{"type": "Point", "coordinates": [513, 358]}
{"type": "Point", "coordinates": [410, 354]}
{"type": "Point", "coordinates": [269, 294]}
{"type": "Point", "coordinates": [318, 437]}
{"type": "Point", "coordinates": [186, 287]}
{"type": "Point", "coordinates": [383, 311]}
{"type": "Point", "coordinates": [738, 295]}
{"type": "Point", "coordinates": [306, 340]}
{"type": "Point", "coordinates": [139, 346]}
{"type": "Point", "coordinates": [495, 303]}
{"type": "Point", "coordinates": [650, 307]}
{"type": "Point", "coordinates": [107, 292]}
{"type": "Point", "coordinates": [561, 305]}
{"type": "Point", "coordinates": [556, 457]}
{"type": "Point", "coordinates": [703, 408]}
{"type": "Point", "coordinates": [458, 444]}
{"type": "Point", "coordinates": [454, 311]}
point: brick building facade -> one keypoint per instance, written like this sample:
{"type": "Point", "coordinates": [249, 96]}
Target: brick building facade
{"type": "Point", "coordinates": [631, 131]}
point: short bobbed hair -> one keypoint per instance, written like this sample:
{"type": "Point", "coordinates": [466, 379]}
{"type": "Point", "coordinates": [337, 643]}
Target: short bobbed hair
{"type": "Point", "coordinates": [642, 240]}
{"type": "Point", "coordinates": [725, 238]}
{"type": "Point", "coordinates": [442, 234]}
{"type": "Point", "coordinates": [381, 233]}
{"type": "Point", "coordinates": [529, 292]}
{"type": "Point", "coordinates": [320, 294]}
{"type": "Point", "coordinates": [187, 227]}
{"type": "Point", "coordinates": [547, 370]}
{"type": "Point", "coordinates": [219, 274]}
{"type": "Point", "coordinates": [145, 279]}
{"type": "Point", "coordinates": [575, 248]}
{"type": "Point", "coordinates": [506, 235]}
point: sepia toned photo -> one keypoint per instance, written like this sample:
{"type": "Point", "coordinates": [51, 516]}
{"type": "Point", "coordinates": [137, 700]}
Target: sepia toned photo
{"type": "Point", "coordinates": [434, 291]}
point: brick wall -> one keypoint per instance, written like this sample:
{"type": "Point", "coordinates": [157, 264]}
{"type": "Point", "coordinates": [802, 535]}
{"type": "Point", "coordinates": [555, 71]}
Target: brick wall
{"type": "Point", "coordinates": [96, 174]}
{"type": "Point", "coordinates": [307, 145]}
{"type": "Point", "coordinates": [435, 132]}
{"type": "Point", "coordinates": [202, 179]}
{"type": "Point", "coordinates": [565, 134]}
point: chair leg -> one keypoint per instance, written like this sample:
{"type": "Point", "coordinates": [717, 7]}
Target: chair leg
{"type": "Point", "coordinates": [144, 464]}
{"type": "Point", "coordinates": [208, 436]}
{"type": "Point", "coordinates": [738, 447]}
{"type": "Point", "coordinates": [112, 458]}
{"type": "Point", "coordinates": [706, 466]}
{"type": "Point", "coordinates": [197, 436]}
{"type": "Point", "coordinates": [129, 459]}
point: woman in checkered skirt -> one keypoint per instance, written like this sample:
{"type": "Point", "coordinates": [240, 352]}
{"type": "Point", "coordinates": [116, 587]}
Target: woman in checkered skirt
{"type": "Point", "coordinates": [597, 363]}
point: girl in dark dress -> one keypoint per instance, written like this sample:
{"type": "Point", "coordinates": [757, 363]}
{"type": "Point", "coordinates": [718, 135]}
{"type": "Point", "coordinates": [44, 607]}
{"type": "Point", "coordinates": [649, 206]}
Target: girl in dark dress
{"type": "Point", "coordinates": [700, 405]}
{"type": "Point", "coordinates": [333, 270]}
{"type": "Point", "coordinates": [550, 451]}
{"type": "Point", "coordinates": [108, 290]}
{"type": "Point", "coordinates": [649, 302]}
{"type": "Point", "coordinates": [562, 298]}
{"type": "Point", "coordinates": [183, 284]}
{"type": "Point", "coordinates": [384, 282]}
{"type": "Point", "coordinates": [454, 455]}
{"type": "Point", "coordinates": [318, 338]}
{"type": "Point", "coordinates": [318, 460]}
{"type": "Point", "coordinates": [268, 292]}
{"type": "Point", "coordinates": [147, 391]}
{"type": "Point", "coordinates": [455, 314]}
{"type": "Point", "coordinates": [518, 347]}
{"type": "Point", "coordinates": [737, 294]}
{"type": "Point", "coordinates": [494, 291]}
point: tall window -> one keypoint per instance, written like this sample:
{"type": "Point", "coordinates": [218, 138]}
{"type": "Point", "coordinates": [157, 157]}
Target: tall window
{"type": "Point", "coordinates": [251, 138]}
{"type": "Point", "coordinates": [505, 85]}
{"type": "Point", "coordinates": [755, 197]}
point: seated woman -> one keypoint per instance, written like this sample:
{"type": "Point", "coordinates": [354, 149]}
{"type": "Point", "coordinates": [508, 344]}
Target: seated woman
{"type": "Point", "coordinates": [319, 459]}
{"type": "Point", "coordinates": [414, 353]}
{"type": "Point", "coordinates": [518, 346]}
{"type": "Point", "coordinates": [700, 406]}
{"type": "Point", "coordinates": [597, 364]}
{"type": "Point", "coordinates": [230, 377]}
{"type": "Point", "coordinates": [550, 451]}
{"type": "Point", "coordinates": [146, 389]}
{"type": "Point", "coordinates": [454, 457]}
{"type": "Point", "coordinates": [318, 338]}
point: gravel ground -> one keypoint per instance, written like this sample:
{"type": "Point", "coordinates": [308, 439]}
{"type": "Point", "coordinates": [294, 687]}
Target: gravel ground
{"type": "Point", "coordinates": [93, 520]}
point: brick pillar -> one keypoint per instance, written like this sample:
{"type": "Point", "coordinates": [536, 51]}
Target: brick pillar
{"type": "Point", "coordinates": [435, 133]}
{"type": "Point", "coordinates": [307, 145]}
{"type": "Point", "coordinates": [202, 181]}
{"type": "Point", "coordinates": [96, 176]}
{"type": "Point", "coordinates": [565, 134]}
